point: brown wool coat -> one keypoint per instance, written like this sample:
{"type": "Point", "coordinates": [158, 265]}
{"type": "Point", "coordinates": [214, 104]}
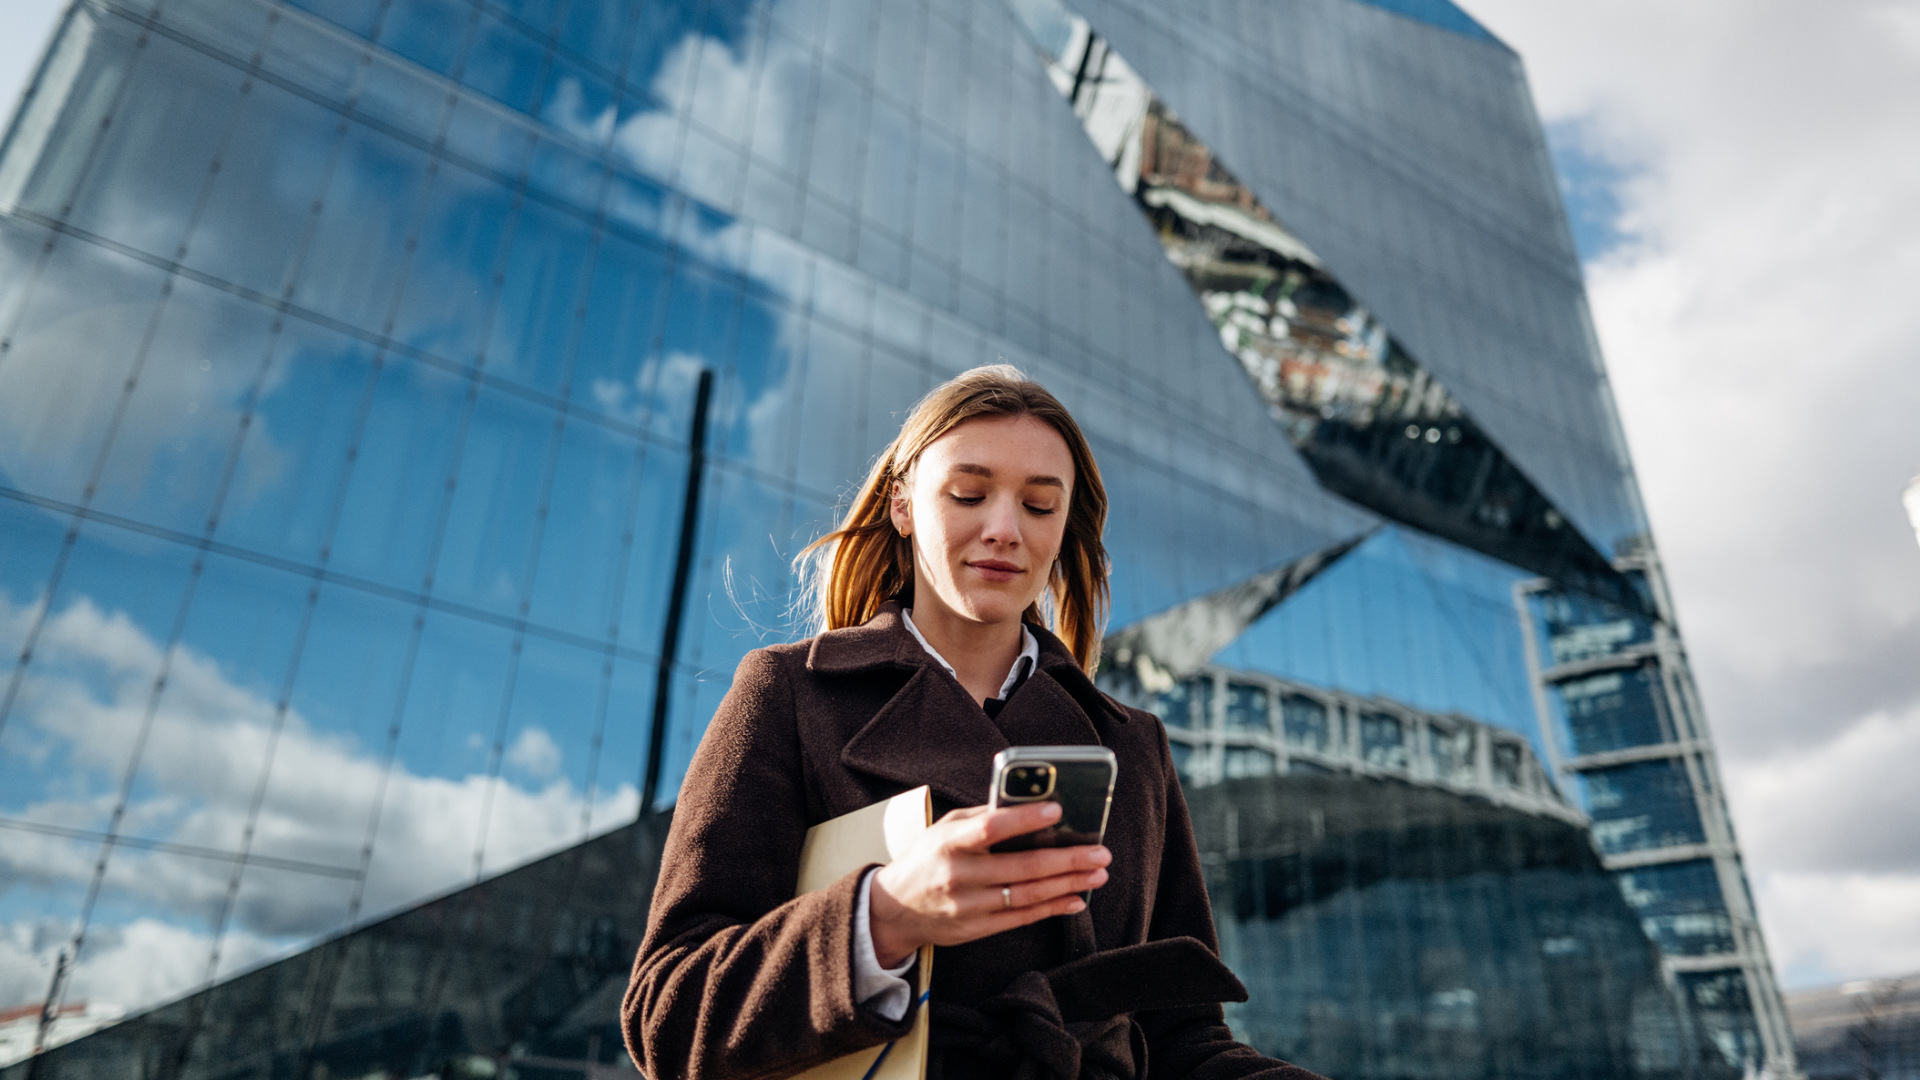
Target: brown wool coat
{"type": "Point", "coordinates": [738, 978]}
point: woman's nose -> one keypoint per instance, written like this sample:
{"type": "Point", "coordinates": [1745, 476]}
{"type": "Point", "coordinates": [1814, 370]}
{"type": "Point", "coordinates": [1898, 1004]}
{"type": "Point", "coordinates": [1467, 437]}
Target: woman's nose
{"type": "Point", "coordinates": [1003, 522]}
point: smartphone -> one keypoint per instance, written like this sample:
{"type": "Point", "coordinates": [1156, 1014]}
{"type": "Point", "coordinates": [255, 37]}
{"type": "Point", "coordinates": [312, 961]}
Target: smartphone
{"type": "Point", "coordinates": [1079, 778]}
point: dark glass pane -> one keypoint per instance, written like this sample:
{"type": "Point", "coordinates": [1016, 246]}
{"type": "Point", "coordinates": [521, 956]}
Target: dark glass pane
{"type": "Point", "coordinates": [1616, 709]}
{"type": "Point", "coordinates": [1383, 741]}
{"type": "Point", "coordinates": [1241, 761]}
{"type": "Point", "coordinates": [1247, 708]}
{"type": "Point", "coordinates": [1506, 764]}
{"type": "Point", "coordinates": [1305, 721]}
{"type": "Point", "coordinates": [1647, 804]}
{"type": "Point", "coordinates": [1681, 906]}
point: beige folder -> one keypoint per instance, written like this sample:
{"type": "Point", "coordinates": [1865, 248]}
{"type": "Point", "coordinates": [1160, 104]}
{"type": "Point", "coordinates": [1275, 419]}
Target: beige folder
{"type": "Point", "coordinates": [832, 850]}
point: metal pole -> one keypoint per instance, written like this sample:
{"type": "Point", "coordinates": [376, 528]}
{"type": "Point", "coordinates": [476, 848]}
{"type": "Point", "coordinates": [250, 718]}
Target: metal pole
{"type": "Point", "coordinates": [677, 598]}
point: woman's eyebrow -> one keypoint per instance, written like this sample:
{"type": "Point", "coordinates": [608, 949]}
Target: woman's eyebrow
{"type": "Point", "coordinates": [982, 471]}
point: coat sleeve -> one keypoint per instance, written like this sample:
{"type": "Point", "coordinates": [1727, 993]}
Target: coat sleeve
{"type": "Point", "coordinates": [736, 977]}
{"type": "Point", "coordinates": [1193, 1042]}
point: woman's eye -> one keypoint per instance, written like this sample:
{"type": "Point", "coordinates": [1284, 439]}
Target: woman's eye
{"type": "Point", "coordinates": [1041, 511]}
{"type": "Point", "coordinates": [969, 500]}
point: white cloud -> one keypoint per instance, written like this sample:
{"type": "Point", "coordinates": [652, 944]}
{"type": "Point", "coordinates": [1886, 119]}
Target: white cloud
{"type": "Point", "coordinates": [1760, 331]}
{"type": "Point", "coordinates": [535, 754]}
{"type": "Point", "coordinates": [1828, 928]}
{"type": "Point", "coordinates": [86, 696]}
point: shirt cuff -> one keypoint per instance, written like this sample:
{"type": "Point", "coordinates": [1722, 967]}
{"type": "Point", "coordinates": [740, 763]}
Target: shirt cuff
{"type": "Point", "coordinates": [884, 990]}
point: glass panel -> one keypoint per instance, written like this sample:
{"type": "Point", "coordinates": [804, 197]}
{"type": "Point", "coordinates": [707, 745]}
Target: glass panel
{"type": "Point", "coordinates": [1451, 753]}
{"type": "Point", "coordinates": [1725, 1009]}
{"type": "Point", "coordinates": [69, 114]}
{"type": "Point", "coordinates": [616, 336]}
{"type": "Point", "coordinates": [330, 763]}
{"type": "Point", "coordinates": [505, 63]}
{"type": "Point", "coordinates": [70, 354]}
{"type": "Point", "coordinates": [1242, 761]}
{"type": "Point", "coordinates": [350, 272]}
{"type": "Point", "coordinates": [431, 33]}
{"type": "Point", "coordinates": [656, 540]}
{"type": "Point", "coordinates": [1383, 741]}
{"type": "Point", "coordinates": [390, 520]}
{"type": "Point", "coordinates": [584, 546]}
{"type": "Point", "coordinates": [449, 289]}
{"type": "Point", "coordinates": [1578, 627]}
{"type": "Point", "coordinates": [271, 171]}
{"type": "Point", "coordinates": [1174, 706]}
{"type": "Point", "coordinates": [1681, 906]}
{"type": "Point", "coordinates": [831, 411]}
{"type": "Point", "coordinates": [213, 731]}
{"type": "Point", "coordinates": [294, 456]}
{"type": "Point", "coordinates": [432, 826]}
{"type": "Point", "coordinates": [149, 173]}
{"type": "Point", "coordinates": [1648, 804]}
{"type": "Point", "coordinates": [1615, 709]}
{"type": "Point", "coordinates": [198, 379]}
{"type": "Point", "coordinates": [540, 299]}
{"type": "Point", "coordinates": [86, 695]}
{"type": "Point", "coordinates": [1507, 758]}
{"type": "Point", "coordinates": [547, 757]}
{"type": "Point", "coordinates": [1387, 928]}
{"type": "Point", "coordinates": [1247, 708]}
{"type": "Point", "coordinates": [497, 508]}
{"type": "Point", "coordinates": [1305, 721]}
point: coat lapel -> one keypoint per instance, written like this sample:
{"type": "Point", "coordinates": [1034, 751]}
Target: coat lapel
{"type": "Point", "coordinates": [930, 733]}
{"type": "Point", "coordinates": [1042, 713]}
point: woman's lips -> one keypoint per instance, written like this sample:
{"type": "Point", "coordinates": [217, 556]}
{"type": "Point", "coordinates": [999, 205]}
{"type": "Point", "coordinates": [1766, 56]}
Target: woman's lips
{"type": "Point", "coordinates": [995, 570]}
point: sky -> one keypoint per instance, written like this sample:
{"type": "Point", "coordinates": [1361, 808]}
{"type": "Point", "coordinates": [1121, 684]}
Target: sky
{"type": "Point", "coordinates": [1742, 178]}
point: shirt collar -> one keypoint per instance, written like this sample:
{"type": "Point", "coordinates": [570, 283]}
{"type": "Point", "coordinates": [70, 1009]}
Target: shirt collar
{"type": "Point", "coordinates": [1023, 665]}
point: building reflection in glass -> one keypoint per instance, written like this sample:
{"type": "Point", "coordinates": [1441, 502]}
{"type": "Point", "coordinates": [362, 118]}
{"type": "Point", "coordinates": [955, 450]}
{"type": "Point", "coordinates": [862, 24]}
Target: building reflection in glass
{"type": "Point", "coordinates": [1375, 426]}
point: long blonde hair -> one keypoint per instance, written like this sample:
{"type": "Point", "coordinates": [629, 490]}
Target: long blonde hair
{"type": "Point", "coordinates": [866, 562]}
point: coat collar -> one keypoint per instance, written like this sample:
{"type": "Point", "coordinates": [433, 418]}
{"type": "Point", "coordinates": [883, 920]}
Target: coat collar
{"type": "Point", "coordinates": [931, 731]}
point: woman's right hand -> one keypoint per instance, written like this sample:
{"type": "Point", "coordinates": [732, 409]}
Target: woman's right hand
{"type": "Point", "coordinates": [946, 890]}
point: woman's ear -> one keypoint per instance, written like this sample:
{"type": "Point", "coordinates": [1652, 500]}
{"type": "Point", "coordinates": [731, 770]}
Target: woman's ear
{"type": "Point", "coordinates": [900, 510]}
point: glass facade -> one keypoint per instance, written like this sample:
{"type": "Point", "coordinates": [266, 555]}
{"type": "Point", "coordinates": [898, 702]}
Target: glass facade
{"type": "Point", "coordinates": [409, 410]}
{"type": "Point", "coordinates": [1396, 929]}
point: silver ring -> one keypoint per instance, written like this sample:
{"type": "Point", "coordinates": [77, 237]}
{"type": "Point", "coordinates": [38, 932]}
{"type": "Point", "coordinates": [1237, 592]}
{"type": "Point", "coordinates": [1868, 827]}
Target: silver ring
{"type": "Point", "coordinates": [1006, 898]}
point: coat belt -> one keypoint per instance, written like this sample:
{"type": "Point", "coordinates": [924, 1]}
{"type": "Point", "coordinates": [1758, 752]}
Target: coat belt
{"type": "Point", "coordinates": [1076, 1020]}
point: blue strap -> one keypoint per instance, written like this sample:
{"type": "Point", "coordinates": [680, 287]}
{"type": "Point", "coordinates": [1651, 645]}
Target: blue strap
{"type": "Point", "coordinates": [874, 1068]}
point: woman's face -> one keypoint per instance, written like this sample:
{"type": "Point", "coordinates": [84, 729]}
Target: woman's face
{"type": "Point", "coordinates": [986, 506]}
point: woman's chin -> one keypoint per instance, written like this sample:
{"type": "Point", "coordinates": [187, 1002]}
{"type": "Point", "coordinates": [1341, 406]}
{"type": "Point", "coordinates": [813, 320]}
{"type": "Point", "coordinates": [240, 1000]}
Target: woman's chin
{"type": "Point", "coordinates": [992, 609]}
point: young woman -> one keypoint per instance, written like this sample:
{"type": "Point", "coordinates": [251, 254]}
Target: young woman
{"type": "Point", "coordinates": [977, 529]}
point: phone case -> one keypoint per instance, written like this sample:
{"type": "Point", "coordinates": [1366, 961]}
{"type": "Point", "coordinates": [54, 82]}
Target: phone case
{"type": "Point", "coordinates": [1083, 778]}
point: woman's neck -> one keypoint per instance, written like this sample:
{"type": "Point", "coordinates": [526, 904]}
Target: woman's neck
{"type": "Point", "coordinates": [981, 653]}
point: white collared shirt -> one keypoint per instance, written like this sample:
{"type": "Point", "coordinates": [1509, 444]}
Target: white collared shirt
{"type": "Point", "coordinates": [886, 990]}
{"type": "Point", "coordinates": [1023, 664]}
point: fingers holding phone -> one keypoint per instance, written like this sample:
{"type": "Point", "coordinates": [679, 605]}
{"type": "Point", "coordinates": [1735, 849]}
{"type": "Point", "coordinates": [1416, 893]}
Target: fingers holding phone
{"type": "Point", "coordinates": [949, 888]}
